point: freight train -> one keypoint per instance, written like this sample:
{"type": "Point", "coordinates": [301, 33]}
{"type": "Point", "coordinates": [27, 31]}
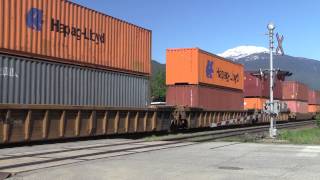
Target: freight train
{"type": "Point", "coordinates": [91, 77]}
{"type": "Point", "coordinates": [294, 97]}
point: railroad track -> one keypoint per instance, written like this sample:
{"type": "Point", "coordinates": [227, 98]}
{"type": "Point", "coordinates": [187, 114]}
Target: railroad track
{"type": "Point", "coordinates": [219, 134]}
{"type": "Point", "coordinates": [13, 163]}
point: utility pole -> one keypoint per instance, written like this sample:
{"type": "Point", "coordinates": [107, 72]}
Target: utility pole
{"type": "Point", "coordinates": [272, 130]}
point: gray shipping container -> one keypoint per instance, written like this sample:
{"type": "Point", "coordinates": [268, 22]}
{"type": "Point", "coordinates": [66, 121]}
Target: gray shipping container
{"type": "Point", "coordinates": [31, 81]}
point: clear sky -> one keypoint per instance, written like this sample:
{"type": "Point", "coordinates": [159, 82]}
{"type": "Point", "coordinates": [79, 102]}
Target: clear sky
{"type": "Point", "coordinates": [218, 25]}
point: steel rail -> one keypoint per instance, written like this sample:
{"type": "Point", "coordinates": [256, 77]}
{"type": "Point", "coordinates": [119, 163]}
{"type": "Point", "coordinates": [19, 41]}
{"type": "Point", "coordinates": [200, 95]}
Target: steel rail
{"type": "Point", "coordinates": [218, 134]}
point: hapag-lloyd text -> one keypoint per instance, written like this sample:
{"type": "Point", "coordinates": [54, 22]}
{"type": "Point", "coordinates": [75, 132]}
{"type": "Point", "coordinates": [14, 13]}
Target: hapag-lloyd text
{"type": "Point", "coordinates": [66, 30]}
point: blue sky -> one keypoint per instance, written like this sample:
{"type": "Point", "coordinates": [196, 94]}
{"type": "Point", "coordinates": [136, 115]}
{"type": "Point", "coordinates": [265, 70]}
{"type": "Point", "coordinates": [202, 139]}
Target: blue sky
{"type": "Point", "coordinates": [218, 25]}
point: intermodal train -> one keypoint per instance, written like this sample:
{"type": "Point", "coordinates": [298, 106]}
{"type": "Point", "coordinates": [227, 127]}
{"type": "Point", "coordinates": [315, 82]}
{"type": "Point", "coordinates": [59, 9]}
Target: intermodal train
{"type": "Point", "coordinates": [67, 71]}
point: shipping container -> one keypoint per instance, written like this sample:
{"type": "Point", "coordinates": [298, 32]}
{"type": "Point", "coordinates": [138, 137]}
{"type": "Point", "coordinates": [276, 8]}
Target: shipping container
{"type": "Point", "coordinates": [254, 103]}
{"type": "Point", "coordinates": [259, 87]}
{"type": "Point", "coordinates": [31, 81]}
{"type": "Point", "coordinates": [60, 30]}
{"type": "Point", "coordinates": [277, 89]}
{"type": "Point", "coordinates": [195, 66]}
{"type": "Point", "coordinates": [293, 90]}
{"type": "Point", "coordinates": [314, 97]}
{"type": "Point", "coordinates": [313, 108]}
{"type": "Point", "coordinates": [297, 106]}
{"type": "Point", "coordinates": [206, 97]}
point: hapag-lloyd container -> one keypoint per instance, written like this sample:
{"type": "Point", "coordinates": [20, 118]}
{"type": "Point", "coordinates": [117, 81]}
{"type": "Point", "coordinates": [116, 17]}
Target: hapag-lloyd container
{"type": "Point", "coordinates": [195, 66]}
{"type": "Point", "coordinates": [60, 30]}
{"type": "Point", "coordinates": [204, 97]}
{"type": "Point", "coordinates": [256, 87]}
{"type": "Point", "coordinates": [297, 106]}
{"type": "Point", "coordinates": [314, 97]}
{"type": "Point", "coordinates": [30, 81]}
{"type": "Point", "coordinates": [293, 90]}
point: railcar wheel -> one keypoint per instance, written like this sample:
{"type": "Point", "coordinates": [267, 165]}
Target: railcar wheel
{"type": "Point", "coordinates": [173, 126]}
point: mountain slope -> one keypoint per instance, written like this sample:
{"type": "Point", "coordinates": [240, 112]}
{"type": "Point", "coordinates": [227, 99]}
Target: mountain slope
{"type": "Point", "coordinates": [304, 70]}
{"type": "Point", "coordinates": [156, 67]}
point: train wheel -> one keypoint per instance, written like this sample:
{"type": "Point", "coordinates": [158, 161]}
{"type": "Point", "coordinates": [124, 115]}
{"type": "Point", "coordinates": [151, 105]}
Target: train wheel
{"type": "Point", "coordinates": [173, 126]}
{"type": "Point", "coordinates": [184, 124]}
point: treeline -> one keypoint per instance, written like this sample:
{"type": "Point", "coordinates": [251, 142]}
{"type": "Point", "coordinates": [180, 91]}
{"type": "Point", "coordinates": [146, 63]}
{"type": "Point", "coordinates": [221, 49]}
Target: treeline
{"type": "Point", "coordinates": [158, 87]}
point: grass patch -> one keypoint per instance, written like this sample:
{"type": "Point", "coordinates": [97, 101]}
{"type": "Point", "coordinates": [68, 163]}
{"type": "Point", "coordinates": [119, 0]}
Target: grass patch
{"type": "Point", "coordinates": [305, 136]}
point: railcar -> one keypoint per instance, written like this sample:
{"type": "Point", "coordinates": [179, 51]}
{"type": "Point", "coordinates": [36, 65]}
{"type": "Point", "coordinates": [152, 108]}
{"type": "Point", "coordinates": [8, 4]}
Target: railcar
{"type": "Point", "coordinates": [32, 123]}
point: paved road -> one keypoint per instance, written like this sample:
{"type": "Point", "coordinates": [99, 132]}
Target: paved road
{"type": "Point", "coordinates": [214, 160]}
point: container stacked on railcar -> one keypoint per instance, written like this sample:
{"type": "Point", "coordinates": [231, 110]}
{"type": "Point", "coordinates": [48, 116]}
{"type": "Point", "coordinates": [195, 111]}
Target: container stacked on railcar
{"type": "Point", "coordinates": [59, 53]}
{"type": "Point", "coordinates": [295, 94]}
{"type": "Point", "coordinates": [196, 78]}
{"type": "Point", "coordinates": [257, 90]}
{"type": "Point", "coordinates": [313, 101]}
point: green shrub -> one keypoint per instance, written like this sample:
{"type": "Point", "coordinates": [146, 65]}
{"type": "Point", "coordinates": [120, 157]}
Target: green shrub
{"type": "Point", "coordinates": [158, 87]}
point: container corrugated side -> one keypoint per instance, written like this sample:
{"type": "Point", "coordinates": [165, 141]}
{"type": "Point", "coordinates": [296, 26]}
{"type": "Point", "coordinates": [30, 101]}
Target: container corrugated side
{"type": "Point", "coordinates": [60, 30]}
{"type": "Point", "coordinates": [297, 106]}
{"type": "Point", "coordinates": [253, 86]}
{"type": "Point", "coordinates": [260, 87]}
{"type": "Point", "coordinates": [277, 89]}
{"type": "Point", "coordinates": [293, 90]}
{"type": "Point", "coordinates": [313, 108]}
{"type": "Point", "coordinates": [195, 66]}
{"type": "Point", "coordinates": [314, 97]}
{"type": "Point", "coordinates": [254, 103]}
{"type": "Point", "coordinates": [205, 97]}
{"type": "Point", "coordinates": [29, 81]}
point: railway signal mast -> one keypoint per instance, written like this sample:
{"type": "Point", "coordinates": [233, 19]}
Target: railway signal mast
{"type": "Point", "coordinates": [273, 129]}
{"type": "Point", "coordinates": [273, 106]}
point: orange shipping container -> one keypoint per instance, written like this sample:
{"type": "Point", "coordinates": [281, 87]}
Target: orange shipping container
{"type": "Point", "coordinates": [195, 66]}
{"type": "Point", "coordinates": [313, 108]}
{"type": "Point", "coordinates": [60, 30]}
{"type": "Point", "coordinates": [254, 103]}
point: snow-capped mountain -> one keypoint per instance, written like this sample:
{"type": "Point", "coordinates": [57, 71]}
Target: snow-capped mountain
{"type": "Point", "coordinates": [243, 51]}
{"type": "Point", "coordinates": [255, 58]}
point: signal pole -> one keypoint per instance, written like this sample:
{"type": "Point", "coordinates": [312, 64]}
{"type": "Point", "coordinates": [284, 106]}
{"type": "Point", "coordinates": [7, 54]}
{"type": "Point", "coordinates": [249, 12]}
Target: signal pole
{"type": "Point", "coordinates": [272, 130]}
